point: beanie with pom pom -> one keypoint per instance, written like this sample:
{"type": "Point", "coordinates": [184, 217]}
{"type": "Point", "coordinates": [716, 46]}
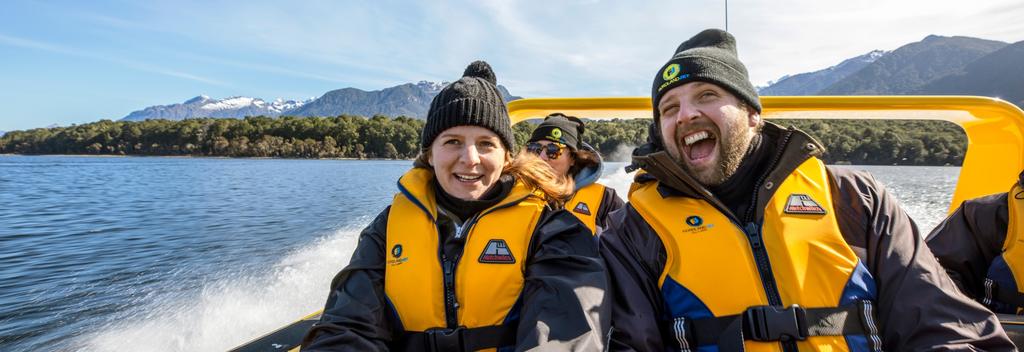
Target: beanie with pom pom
{"type": "Point", "coordinates": [473, 100]}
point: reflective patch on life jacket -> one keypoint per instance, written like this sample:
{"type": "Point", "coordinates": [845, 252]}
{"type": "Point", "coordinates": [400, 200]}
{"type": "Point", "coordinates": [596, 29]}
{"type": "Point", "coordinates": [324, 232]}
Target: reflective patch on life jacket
{"type": "Point", "coordinates": [582, 208]}
{"type": "Point", "coordinates": [496, 252]}
{"type": "Point", "coordinates": [802, 204]}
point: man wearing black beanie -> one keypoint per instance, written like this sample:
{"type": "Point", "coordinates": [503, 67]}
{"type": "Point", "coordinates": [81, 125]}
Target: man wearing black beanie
{"type": "Point", "coordinates": [738, 236]}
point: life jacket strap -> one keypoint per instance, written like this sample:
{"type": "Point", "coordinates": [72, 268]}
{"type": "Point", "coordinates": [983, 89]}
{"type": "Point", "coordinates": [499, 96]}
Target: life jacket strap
{"type": "Point", "coordinates": [994, 293]}
{"type": "Point", "coordinates": [774, 323]}
{"type": "Point", "coordinates": [460, 339]}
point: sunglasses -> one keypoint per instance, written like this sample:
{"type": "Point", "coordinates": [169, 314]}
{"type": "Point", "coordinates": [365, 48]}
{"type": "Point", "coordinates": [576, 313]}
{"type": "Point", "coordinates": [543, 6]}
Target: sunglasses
{"type": "Point", "coordinates": [553, 150]}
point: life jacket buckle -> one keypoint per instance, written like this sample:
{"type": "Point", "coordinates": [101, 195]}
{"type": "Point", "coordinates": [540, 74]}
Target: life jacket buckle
{"type": "Point", "coordinates": [445, 339]}
{"type": "Point", "coordinates": [772, 323]}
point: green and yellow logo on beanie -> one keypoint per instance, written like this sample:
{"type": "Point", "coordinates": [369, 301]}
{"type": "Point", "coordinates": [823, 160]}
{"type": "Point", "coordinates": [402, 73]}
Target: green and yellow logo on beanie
{"type": "Point", "coordinates": [555, 135]}
{"type": "Point", "coordinates": [670, 72]}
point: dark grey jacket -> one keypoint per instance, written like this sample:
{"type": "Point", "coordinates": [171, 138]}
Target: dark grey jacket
{"type": "Point", "coordinates": [919, 307]}
{"type": "Point", "coordinates": [564, 295]}
{"type": "Point", "coordinates": [968, 240]}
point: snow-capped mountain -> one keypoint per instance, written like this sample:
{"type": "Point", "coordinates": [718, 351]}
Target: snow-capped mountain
{"type": "Point", "coordinates": [204, 106]}
{"type": "Point", "coordinates": [410, 99]}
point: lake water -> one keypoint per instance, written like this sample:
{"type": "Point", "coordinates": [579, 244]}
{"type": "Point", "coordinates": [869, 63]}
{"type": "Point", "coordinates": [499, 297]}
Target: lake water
{"type": "Point", "coordinates": [201, 254]}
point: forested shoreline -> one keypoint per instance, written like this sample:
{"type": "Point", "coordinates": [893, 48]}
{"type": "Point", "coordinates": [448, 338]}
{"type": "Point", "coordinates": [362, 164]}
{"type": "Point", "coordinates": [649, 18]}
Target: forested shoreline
{"type": "Point", "coordinates": [865, 142]}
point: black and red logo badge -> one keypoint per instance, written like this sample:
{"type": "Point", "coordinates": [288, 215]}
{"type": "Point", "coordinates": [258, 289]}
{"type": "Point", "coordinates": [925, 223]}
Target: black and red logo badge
{"type": "Point", "coordinates": [802, 204]}
{"type": "Point", "coordinates": [496, 252]}
{"type": "Point", "coordinates": [582, 208]}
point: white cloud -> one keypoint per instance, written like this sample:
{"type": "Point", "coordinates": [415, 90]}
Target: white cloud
{"type": "Point", "coordinates": [543, 47]}
{"type": "Point", "coordinates": [141, 66]}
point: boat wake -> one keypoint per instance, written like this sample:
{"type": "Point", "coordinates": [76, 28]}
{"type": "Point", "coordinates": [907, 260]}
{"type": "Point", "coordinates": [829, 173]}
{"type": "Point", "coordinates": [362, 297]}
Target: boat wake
{"type": "Point", "coordinates": [236, 309]}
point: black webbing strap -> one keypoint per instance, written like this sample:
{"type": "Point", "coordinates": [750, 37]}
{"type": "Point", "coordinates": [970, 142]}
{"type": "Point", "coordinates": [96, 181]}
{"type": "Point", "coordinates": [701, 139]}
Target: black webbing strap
{"type": "Point", "coordinates": [999, 294]}
{"type": "Point", "coordinates": [770, 323]}
{"type": "Point", "coordinates": [461, 339]}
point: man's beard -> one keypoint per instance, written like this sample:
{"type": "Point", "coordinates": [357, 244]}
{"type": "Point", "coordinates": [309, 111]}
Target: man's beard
{"type": "Point", "coordinates": [731, 149]}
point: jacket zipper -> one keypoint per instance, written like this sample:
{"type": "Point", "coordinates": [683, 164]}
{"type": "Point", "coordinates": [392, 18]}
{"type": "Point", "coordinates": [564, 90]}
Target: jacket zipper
{"type": "Point", "coordinates": [451, 302]}
{"type": "Point", "coordinates": [755, 236]}
{"type": "Point", "coordinates": [753, 231]}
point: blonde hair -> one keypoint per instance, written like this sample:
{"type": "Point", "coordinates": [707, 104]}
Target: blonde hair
{"type": "Point", "coordinates": [537, 174]}
{"type": "Point", "coordinates": [533, 172]}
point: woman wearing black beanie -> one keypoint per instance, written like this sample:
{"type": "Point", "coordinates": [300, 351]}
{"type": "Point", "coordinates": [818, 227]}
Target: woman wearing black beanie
{"type": "Point", "coordinates": [470, 255]}
{"type": "Point", "coordinates": [559, 141]}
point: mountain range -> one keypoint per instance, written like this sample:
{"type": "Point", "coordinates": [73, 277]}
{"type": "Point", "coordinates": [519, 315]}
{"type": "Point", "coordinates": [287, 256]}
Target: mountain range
{"type": "Point", "coordinates": [204, 106]}
{"type": "Point", "coordinates": [812, 82]}
{"type": "Point", "coordinates": [935, 65]}
{"type": "Point", "coordinates": [408, 99]}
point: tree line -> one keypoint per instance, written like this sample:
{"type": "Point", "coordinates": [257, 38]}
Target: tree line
{"type": "Point", "coordinates": [872, 142]}
{"type": "Point", "coordinates": [343, 136]}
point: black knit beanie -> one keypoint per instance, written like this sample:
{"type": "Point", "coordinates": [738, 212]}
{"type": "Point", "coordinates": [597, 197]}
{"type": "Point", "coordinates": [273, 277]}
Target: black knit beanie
{"type": "Point", "coordinates": [473, 100]}
{"type": "Point", "coordinates": [710, 56]}
{"type": "Point", "coordinates": [560, 128]}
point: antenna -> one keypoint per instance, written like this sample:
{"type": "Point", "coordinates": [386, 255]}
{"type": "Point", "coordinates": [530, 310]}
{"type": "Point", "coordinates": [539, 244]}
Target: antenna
{"type": "Point", "coordinates": [726, 15]}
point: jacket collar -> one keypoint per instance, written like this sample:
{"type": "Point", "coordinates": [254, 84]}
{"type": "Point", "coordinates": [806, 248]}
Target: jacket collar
{"type": "Point", "coordinates": [417, 185]}
{"type": "Point", "coordinates": [590, 174]}
{"type": "Point", "coordinates": [792, 147]}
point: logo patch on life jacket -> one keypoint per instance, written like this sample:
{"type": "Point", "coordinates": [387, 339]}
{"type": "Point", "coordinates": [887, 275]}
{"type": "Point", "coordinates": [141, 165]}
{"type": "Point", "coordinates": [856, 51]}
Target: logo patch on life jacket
{"type": "Point", "coordinates": [396, 252]}
{"type": "Point", "coordinates": [802, 204]}
{"type": "Point", "coordinates": [696, 224]}
{"type": "Point", "coordinates": [694, 221]}
{"type": "Point", "coordinates": [496, 252]}
{"type": "Point", "coordinates": [582, 208]}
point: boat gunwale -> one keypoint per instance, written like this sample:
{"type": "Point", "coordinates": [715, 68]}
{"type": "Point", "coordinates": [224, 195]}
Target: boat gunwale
{"type": "Point", "coordinates": [994, 127]}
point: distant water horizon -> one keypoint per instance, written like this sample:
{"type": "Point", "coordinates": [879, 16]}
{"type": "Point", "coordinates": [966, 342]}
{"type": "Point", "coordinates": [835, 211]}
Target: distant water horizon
{"type": "Point", "coordinates": [186, 253]}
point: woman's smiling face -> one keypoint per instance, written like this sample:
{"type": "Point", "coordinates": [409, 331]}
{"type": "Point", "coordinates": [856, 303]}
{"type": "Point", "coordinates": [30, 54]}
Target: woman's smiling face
{"type": "Point", "coordinates": [467, 160]}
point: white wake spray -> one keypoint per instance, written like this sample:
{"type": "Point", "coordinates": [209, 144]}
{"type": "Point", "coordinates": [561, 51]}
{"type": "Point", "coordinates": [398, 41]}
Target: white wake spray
{"type": "Point", "coordinates": [234, 310]}
{"type": "Point", "coordinates": [615, 176]}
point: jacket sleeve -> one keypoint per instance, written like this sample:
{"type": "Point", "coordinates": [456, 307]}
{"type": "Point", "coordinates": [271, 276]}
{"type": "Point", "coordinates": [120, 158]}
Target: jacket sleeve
{"type": "Point", "coordinates": [609, 202]}
{"type": "Point", "coordinates": [356, 317]}
{"type": "Point", "coordinates": [635, 258]}
{"type": "Point", "coordinates": [969, 239]}
{"type": "Point", "coordinates": [564, 303]}
{"type": "Point", "coordinates": [919, 307]}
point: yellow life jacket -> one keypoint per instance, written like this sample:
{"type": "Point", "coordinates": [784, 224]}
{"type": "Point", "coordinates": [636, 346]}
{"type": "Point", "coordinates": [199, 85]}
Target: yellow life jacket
{"type": "Point", "coordinates": [717, 269]}
{"type": "Point", "coordinates": [586, 203]}
{"type": "Point", "coordinates": [1003, 291]}
{"type": "Point", "coordinates": [484, 286]}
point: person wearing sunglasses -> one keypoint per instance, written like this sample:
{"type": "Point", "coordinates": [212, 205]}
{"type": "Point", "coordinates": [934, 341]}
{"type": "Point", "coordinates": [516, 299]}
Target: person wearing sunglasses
{"type": "Point", "coordinates": [559, 141]}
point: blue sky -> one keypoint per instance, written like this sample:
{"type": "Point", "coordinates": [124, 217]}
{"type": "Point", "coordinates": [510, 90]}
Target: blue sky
{"type": "Point", "coordinates": [69, 62]}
